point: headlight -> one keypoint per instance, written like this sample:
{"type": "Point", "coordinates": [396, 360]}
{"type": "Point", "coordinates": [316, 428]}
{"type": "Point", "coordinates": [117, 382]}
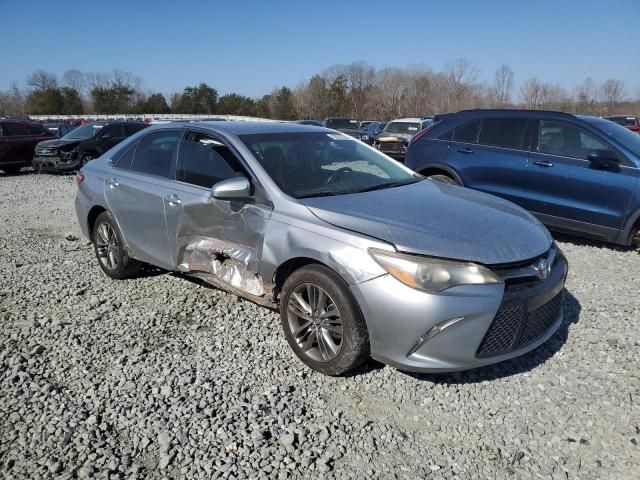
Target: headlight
{"type": "Point", "coordinates": [430, 274]}
{"type": "Point", "coordinates": [364, 138]}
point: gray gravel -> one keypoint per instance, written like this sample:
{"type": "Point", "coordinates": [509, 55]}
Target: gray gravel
{"type": "Point", "coordinates": [160, 377]}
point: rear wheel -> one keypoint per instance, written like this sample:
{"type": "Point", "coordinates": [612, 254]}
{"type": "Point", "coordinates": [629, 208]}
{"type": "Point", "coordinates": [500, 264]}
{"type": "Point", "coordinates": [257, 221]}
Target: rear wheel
{"type": "Point", "coordinates": [322, 321]}
{"type": "Point", "coordinates": [109, 248]}
{"type": "Point", "coordinates": [443, 178]}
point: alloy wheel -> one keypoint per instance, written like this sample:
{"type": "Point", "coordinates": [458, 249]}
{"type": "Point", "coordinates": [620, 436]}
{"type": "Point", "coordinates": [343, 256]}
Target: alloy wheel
{"type": "Point", "coordinates": [315, 322]}
{"type": "Point", "coordinates": [107, 246]}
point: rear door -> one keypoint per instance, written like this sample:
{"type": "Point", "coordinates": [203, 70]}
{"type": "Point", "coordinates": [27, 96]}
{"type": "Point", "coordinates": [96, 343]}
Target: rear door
{"type": "Point", "coordinates": [139, 189]}
{"type": "Point", "coordinates": [204, 230]}
{"type": "Point", "coordinates": [492, 156]}
{"type": "Point", "coordinates": [4, 142]}
{"type": "Point", "coordinates": [20, 145]}
{"type": "Point", "coordinates": [565, 188]}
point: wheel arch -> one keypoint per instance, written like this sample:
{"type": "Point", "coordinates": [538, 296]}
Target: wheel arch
{"type": "Point", "coordinates": [286, 268]}
{"type": "Point", "coordinates": [92, 216]}
{"type": "Point", "coordinates": [439, 168]}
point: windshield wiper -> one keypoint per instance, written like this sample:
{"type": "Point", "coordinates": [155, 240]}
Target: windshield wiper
{"type": "Point", "coordinates": [320, 194]}
{"type": "Point", "coordinates": [386, 185]}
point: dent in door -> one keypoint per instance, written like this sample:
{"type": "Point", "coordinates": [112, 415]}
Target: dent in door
{"type": "Point", "coordinates": [223, 239]}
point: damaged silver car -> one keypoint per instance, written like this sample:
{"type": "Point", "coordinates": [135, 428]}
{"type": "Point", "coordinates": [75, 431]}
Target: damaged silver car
{"type": "Point", "coordinates": [362, 257]}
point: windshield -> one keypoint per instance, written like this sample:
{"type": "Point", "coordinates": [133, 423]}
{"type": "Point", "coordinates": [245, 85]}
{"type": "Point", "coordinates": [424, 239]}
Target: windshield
{"type": "Point", "coordinates": [343, 123]}
{"type": "Point", "coordinates": [320, 164]}
{"type": "Point", "coordinates": [402, 127]}
{"type": "Point", "coordinates": [628, 139]}
{"type": "Point", "coordinates": [82, 133]}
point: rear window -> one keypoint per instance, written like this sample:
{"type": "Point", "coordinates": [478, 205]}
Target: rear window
{"type": "Point", "coordinates": [503, 132]}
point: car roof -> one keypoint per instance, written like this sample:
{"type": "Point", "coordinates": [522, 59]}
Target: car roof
{"type": "Point", "coordinates": [407, 120]}
{"type": "Point", "coordinates": [507, 112]}
{"type": "Point", "coordinates": [252, 127]}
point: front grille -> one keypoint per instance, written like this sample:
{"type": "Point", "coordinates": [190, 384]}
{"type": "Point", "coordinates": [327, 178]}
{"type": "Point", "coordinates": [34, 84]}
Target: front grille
{"type": "Point", "coordinates": [391, 146]}
{"type": "Point", "coordinates": [45, 152]}
{"type": "Point", "coordinates": [513, 328]}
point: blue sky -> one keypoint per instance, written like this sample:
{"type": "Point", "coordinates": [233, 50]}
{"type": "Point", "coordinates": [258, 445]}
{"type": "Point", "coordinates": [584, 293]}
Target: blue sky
{"type": "Point", "coordinates": [250, 47]}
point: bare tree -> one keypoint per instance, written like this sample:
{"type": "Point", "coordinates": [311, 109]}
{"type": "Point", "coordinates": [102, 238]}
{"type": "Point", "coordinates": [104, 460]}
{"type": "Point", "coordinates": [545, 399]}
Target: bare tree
{"type": "Point", "coordinates": [612, 92]}
{"type": "Point", "coordinates": [75, 79]}
{"type": "Point", "coordinates": [502, 85]}
{"type": "Point", "coordinates": [41, 80]}
{"type": "Point", "coordinates": [531, 93]}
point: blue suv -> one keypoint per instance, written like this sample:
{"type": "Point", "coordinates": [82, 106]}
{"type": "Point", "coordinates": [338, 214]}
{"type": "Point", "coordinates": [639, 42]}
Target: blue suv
{"type": "Point", "coordinates": [577, 174]}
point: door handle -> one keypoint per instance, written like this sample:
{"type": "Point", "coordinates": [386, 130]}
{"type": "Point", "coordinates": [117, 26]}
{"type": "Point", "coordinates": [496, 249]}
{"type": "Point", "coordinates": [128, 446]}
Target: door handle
{"type": "Point", "coordinates": [173, 200]}
{"type": "Point", "coordinates": [543, 164]}
{"type": "Point", "coordinates": [465, 150]}
{"type": "Point", "coordinates": [113, 183]}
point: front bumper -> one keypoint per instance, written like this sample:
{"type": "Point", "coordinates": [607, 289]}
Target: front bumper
{"type": "Point", "coordinates": [55, 164]}
{"type": "Point", "coordinates": [398, 317]}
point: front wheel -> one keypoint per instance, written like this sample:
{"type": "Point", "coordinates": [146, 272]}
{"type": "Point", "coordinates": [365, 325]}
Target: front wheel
{"type": "Point", "coordinates": [86, 158]}
{"type": "Point", "coordinates": [322, 321]}
{"type": "Point", "coordinates": [110, 250]}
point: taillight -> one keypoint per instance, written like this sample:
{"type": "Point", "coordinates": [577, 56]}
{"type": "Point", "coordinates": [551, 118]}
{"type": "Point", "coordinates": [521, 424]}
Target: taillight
{"type": "Point", "coordinates": [420, 135]}
{"type": "Point", "coordinates": [79, 178]}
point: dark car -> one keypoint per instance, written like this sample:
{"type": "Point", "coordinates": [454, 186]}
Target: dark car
{"type": "Point", "coordinates": [627, 121]}
{"type": "Point", "coordinates": [59, 129]}
{"type": "Point", "coordinates": [81, 145]}
{"type": "Point", "coordinates": [397, 134]}
{"type": "Point", "coordinates": [347, 125]}
{"type": "Point", "coordinates": [577, 174]}
{"type": "Point", "coordinates": [18, 139]}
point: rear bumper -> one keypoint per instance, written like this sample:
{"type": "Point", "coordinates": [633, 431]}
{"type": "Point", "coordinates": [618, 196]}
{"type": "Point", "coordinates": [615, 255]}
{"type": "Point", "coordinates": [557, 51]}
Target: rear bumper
{"type": "Point", "coordinates": [399, 319]}
{"type": "Point", "coordinates": [55, 164]}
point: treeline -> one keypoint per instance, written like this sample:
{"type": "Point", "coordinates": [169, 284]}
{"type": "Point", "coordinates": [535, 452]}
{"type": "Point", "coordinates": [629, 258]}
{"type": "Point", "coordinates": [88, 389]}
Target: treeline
{"type": "Point", "coordinates": [357, 90]}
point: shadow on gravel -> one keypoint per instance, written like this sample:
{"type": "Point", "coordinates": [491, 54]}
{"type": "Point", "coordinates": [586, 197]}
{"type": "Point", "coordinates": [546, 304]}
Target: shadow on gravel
{"type": "Point", "coordinates": [587, 242]}
{"type": "Point", "coordinates": [522, 364]}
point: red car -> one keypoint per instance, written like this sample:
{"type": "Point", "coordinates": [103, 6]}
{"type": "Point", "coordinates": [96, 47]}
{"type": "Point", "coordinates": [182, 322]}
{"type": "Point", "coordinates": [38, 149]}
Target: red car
{"type": "Point", "coordinates": [18, 139]}
{"type": "Point", "coordinates": [628, 121]}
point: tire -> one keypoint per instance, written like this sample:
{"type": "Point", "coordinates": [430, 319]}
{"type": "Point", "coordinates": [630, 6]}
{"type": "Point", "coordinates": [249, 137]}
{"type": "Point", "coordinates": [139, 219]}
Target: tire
{"type": "Point", "coordinates": [107, 243]}
{"type": "Point", "coordinates": [12, 170]}
{"type": "Point", "coordinates": [443, 178]}
{"type": "Point", "coordinates": [333, 345]}
{"type": "Point", "coordinates": [86, 157]}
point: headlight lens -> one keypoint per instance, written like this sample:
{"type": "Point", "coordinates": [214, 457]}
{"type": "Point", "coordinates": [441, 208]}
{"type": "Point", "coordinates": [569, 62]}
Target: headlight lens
{"type": "Point", "coordinates": [432, 275]}
{"type": "Point", "coordinates": [364, 138]}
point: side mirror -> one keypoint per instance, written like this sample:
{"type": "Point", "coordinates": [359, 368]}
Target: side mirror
{"type": "Point", "coordinates": [604, 160]}
{"type": "Point", "coordinates": [236, 187]}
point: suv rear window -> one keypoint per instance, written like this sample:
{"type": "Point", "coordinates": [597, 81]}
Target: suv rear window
{"type": "Point", "coordinates": [16, 129]}
{"type": "Point", "coordinates": [503, 132]}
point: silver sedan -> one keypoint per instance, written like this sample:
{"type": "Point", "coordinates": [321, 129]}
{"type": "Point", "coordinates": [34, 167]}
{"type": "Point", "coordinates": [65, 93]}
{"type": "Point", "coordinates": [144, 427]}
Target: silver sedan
{"type": "Point", "coordinates": [362, 257]}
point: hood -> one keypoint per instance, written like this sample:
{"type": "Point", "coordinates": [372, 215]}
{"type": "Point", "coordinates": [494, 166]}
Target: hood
{"type": "Point", "coordinates": [58, 142]}
{"type": "Point", "coordinates": [436, 219]}
{"type": "Point", "coordinates": [394, 137]}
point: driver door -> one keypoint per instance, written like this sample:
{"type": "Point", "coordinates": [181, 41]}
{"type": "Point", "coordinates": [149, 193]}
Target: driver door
{"type": "Point", "coordinates": [566, 190]}
{"type": "Point", "coordinates": [203, 229]}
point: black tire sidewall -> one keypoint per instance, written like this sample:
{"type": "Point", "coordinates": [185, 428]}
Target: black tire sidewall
{"type": "Point", "coordinates": [355, 341]}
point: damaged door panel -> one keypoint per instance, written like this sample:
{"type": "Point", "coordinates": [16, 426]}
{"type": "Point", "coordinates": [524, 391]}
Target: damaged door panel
{"type": "Point", "coordinates": [220, 238]}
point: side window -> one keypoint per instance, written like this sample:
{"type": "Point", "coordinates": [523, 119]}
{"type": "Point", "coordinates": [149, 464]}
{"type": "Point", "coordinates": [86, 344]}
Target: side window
{"type": "Point", "coordinates": [17, 129]}
{"type": "Point", "coordinates": [3, 131]}
{"type": "Point", "coordinates": [126, 159]}
{"type": "Point", "coordinates": [567, 140]}
{"type": "Point", "coordinates": [36, 129]}
{"type": "Point", "coordinates": [467, 133]}
{"type": "Point", "coordinates": [131, 129]}
{"type": "Point", "coordinates": [204, 161]}
{"type": "Point", "coordinates": [504, 132]}
{"type": "Point", "coordinates": [112, 131]}
{"type": "Point", "coordinates": [156, 153]}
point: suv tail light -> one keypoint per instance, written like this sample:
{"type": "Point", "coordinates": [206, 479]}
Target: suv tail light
{"type": "Point", "coordinates": [79, 178]}
{"type": "Point", "coordinates": [417, 137]}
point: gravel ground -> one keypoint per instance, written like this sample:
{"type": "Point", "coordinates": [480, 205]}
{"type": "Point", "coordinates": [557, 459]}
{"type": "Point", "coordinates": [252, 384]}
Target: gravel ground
{"type": "Point", "coordinates": [160, 377]}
